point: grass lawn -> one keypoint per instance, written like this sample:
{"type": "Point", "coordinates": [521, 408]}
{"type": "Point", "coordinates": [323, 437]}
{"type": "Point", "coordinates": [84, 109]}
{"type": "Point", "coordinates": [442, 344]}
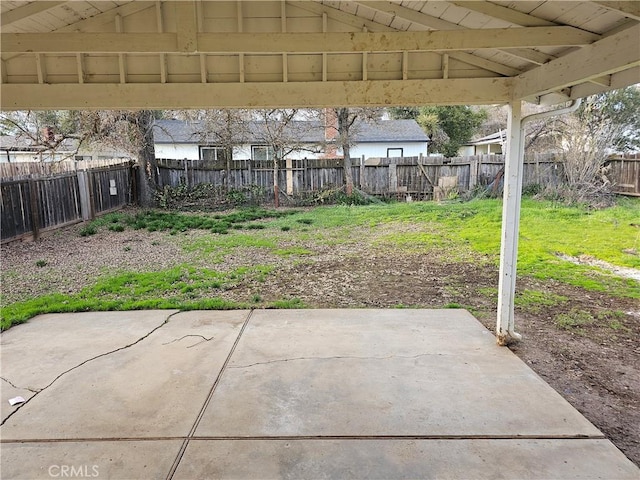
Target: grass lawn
{"type": "Point", "coordinates": [458, 232]}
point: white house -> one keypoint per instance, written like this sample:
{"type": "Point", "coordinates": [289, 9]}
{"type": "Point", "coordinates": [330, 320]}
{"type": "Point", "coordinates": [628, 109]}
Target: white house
{"type": "Point", "coordinates": [489, 145]}
{"type": "Point", "coordinates": [17, 149]}
{"type": "Point", "coordinates": [177, 139]}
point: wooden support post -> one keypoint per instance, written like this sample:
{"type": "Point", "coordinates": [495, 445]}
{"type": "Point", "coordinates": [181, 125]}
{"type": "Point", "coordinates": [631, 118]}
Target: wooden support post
{"type": "Point", "coordinates": [34, 200]}
{"type": "Point", "coordinates": [362, 170]}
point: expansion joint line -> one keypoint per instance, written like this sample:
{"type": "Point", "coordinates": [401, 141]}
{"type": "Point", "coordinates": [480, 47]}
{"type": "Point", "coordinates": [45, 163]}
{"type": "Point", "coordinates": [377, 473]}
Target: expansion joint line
{"type": "Point", "coordinates": [192, 432]}
{"type": "Point", "coordinates": [166, 320]}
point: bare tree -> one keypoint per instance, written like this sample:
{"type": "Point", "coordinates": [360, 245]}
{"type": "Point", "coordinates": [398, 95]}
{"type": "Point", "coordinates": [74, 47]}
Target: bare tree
{"type": "Point", "coordinates": [227, 129]}
{"type": "Point", "coordinates": [130, 131]}
{"type": "Point", "coordinates": [47, 132]}
{"type": "Point", "coordinates": [284, 133]}
{"type": "Point", "coordinates": [348, 123]}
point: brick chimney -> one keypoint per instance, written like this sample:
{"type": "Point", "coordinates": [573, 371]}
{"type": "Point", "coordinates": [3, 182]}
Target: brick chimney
{"type": "Point", "coordinates": [330, 132]}
{"type": "Point", "coordinates": [47, 134]}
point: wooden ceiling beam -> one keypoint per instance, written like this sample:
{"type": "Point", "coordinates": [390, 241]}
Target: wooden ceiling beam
{"type": "Point", "coordinates": [610, 55]}
{"type": "Point", "coordinates": [89, 96]}
{"type": "Point", "coordinates": [188, 40]}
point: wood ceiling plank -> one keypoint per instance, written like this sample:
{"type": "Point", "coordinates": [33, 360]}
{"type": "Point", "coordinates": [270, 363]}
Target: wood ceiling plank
{"type": "Point", "coordinates": [28, 10]}
{"type": "Point", "coordinates": [628, 9]}
{"type": "Point", "coordinates": [503, 13]}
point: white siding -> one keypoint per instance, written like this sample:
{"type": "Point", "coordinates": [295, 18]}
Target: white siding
{"type": "Point", "coordinates": [177, 151]}
{"type": "Point", "coordinates": [379, 150]}
{"type": "Point", "coordinates": [192, 151]}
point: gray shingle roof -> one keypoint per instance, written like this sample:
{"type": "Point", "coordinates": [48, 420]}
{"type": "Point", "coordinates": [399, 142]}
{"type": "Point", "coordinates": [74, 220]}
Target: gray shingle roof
{"type": "Point", "coordinates": [179, 131]}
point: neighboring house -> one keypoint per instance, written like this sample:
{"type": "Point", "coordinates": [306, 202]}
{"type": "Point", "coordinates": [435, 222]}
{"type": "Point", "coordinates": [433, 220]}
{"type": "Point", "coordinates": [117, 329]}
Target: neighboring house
{"type": "Point", "coordinates": [16, 149]}
{"type": "Point", "coordinates": [177, 139]}
{"type": "Point", "coordinates": [490, 145]}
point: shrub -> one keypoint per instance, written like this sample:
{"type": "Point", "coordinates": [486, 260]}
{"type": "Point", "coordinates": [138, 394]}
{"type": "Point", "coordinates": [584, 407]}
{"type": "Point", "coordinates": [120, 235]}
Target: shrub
{"type": "Point", "coordinates": [88, 230]}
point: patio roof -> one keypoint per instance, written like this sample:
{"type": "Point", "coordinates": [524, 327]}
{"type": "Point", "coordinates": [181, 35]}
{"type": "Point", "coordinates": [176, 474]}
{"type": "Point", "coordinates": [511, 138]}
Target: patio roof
{"type": "Point", "coordinates": [217, 54]}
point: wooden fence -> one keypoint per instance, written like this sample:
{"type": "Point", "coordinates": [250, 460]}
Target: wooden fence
{"type": "Point", "coordinates": [31, 206]}
{"type": "Point", "coordinates": [624, 173]}
{"type": "Point", "coordinates": [415, 176]}
{"type": "Point", "coordinates": [19, 170]}
{"type": "Point", "coordinates": [36, 204]}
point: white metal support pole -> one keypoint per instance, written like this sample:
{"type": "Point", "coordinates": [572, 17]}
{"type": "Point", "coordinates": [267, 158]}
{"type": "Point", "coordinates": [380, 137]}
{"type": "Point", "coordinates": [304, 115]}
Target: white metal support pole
{"type": "Point", "coordinates": [513, 173]}
{"type": "Point", "coordinates": [510, 225]}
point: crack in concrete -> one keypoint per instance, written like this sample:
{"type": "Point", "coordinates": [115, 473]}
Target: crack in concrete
{"type": "Point", "coordinates": [336, 357]}
{"type": "Point", "coordinates": [19, 388]}
{"type": "Point", "coordinates": [166, 320]}
{"type": "Point", "coordinates": [204, 339]}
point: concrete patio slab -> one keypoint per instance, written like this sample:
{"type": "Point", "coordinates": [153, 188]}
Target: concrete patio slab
{"type": "Point", "coordinates": [124, 460]}
{"type": "Point", "coordinates": [404, 459]}
{"type": "Point", "coordinates": [289, 394]}
{"type": "Point", "coordinates": [153, 388]}
{"type": "Point", "coordinates": [371, 372]}
{"type": "Point", "coordinates": [52, 344]}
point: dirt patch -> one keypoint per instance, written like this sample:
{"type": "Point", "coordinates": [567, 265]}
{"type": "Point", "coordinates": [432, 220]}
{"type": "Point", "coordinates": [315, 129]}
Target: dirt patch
{"type": "Point", "coordinates": [593, 363]}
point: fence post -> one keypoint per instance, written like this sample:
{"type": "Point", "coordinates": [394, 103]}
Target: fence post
{"type": "Point", "coordinates": [362, 169]}
{"type": "Point", "coordinates": [289, 175]}
{"type": "Point", "coordinates": [473, 171]}
{"type": "Point", "coordinates": [34, 199]}
{"type": "Point", "coordinates": [393, 177]}
{"type": "Point", "coordinates": [85, 195]}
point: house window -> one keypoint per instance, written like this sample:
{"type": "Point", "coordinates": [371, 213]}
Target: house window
{"type": "Point", "coordinates": [262, 152]}
{"type": "Point", "coordinates": [394, 153]}
{"type": "Point", "coordinates": [218, 154]}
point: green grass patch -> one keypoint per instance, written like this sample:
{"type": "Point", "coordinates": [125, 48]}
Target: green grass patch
{"type": "Point", "coordinates": [533, 301]}
{"type": "Point", "coordinates": [489, 292]}
{"type": "Point", "coordinates": [216, 247]}
{"type": "Point", "coordinates": [574, 320]}
{"type": "Point", "coordinates": [546, 230]}
{"type": "Point", "coordinates": [176, 222]}
{"type": "Point", "coordinates": [183, 287]}
{"type": "Point", "coordinates": [453, 305]}
{"type": "Point", "coordinates": [290, 303]}
{"type": "Point", "coordinates": [289, 251]}
{"type": "Point", "coordinates": [88, 230]}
